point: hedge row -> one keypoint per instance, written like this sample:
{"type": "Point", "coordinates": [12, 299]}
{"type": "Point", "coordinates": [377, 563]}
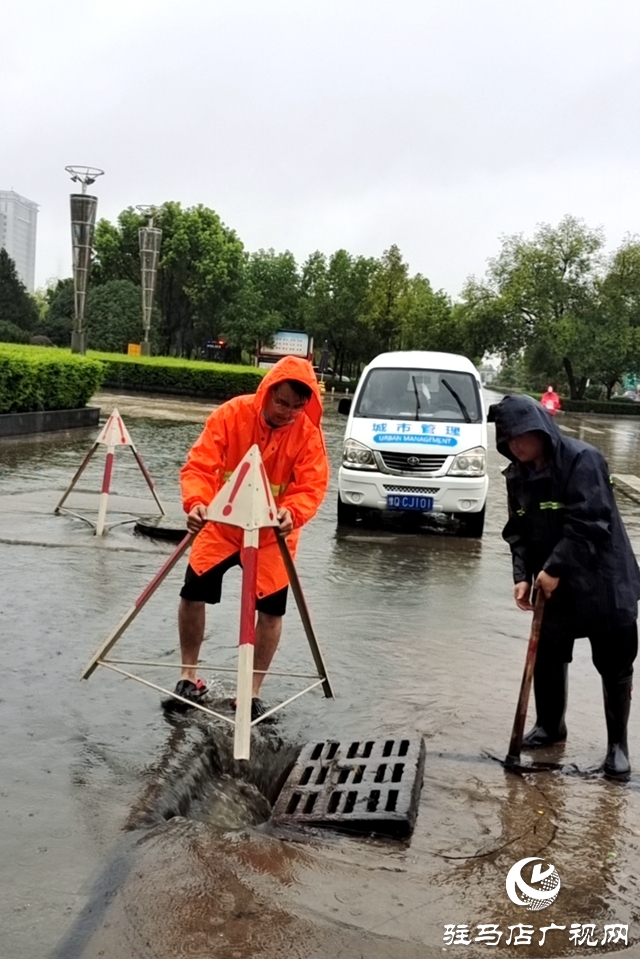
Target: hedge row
{"type": "Point", "coordinates": [36, 378]}
{"type": "Point", "coordinates": [163, 374]}
{"type": "Point", "coordinates": [617, 407]}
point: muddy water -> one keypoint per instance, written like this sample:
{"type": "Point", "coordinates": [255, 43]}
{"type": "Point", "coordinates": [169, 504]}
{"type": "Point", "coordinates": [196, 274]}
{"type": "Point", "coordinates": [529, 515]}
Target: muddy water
{"type": "Point", "coordinates": [421, 639]}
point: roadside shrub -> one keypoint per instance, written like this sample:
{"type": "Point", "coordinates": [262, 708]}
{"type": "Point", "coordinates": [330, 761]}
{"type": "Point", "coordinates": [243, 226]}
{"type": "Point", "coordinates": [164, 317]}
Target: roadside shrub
{"type": "Point", "coordinates": [615, 407]}
{"type": "Point", "coordinates": [10, 333]}
{"type": "Point", "coordinates": [163, 374]}
{"type": "Point", "coordinates": [42, 378]}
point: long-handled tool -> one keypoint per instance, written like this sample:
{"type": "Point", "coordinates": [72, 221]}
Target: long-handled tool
{"type": "Point", "coordinates": [517, 733]}
{"type": "Point", "coordinates": [512, 760]}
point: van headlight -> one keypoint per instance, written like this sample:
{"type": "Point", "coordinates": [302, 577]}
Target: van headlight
{"type": "Point", "coordinates": [469, 463]}
{"type": "Point", "coordinates": [357, 456]}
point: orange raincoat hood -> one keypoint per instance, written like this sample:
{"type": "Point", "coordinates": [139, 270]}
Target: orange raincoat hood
{"type": "Point", "coordinates": [294, 457]}
{"type": "Point", "coordinates": [293, 368]}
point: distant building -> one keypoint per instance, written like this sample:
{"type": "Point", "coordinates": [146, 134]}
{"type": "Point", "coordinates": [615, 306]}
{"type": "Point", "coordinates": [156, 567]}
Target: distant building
{"type": "Point", "coordinates": [18, 218]}
{"type": "Point", "coordinates": [487, 375]}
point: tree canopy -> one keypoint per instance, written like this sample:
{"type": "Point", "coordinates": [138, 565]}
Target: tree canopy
{"type": "Point", "coordinates": [553, 305]}
{"type": "Point", "coordinates": [17, 308]}
{"type": "Point", "coordinates": [209, 287]}
{"type": "Point", "coordinates": [200, 270]}
{"type": "Point", "coordinates": [570, 311]}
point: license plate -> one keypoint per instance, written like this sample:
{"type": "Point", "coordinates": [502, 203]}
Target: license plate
{"type": "Point", "coordinates": [422, 503]}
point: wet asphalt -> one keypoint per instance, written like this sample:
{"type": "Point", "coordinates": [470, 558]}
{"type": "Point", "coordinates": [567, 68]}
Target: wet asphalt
{"type": "Point", "coordinates": [421, 639]}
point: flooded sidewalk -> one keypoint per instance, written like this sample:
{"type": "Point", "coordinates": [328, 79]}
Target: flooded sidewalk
{"type": "Point", "coordinates": [126, 835]}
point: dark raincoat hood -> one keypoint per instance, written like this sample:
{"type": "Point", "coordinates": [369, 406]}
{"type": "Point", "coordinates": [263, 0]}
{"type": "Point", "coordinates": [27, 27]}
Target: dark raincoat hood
{"type": "Point", "coordinates": [515, 415]}
{"type": "Point", "coordinates": [564, 519]}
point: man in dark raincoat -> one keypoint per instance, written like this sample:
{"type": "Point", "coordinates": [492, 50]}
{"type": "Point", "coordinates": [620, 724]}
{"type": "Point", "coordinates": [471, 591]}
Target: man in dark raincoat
{"type": "Point", "coordinates": [567, 536]}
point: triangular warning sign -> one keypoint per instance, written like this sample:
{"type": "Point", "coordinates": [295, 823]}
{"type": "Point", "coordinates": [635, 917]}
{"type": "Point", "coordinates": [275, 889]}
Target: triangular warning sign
{"type": "Point", "coordinates": [114, 432]}
{"type": "Point", "coordinates": [246, 499]}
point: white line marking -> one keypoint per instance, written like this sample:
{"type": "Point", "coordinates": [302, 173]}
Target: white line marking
{"type": "Point", "coordinates": [627, 479]}
{"type": "Point", "coordinates": [567, 429]}
{"type": "Point", "coordinates": [588, 429]}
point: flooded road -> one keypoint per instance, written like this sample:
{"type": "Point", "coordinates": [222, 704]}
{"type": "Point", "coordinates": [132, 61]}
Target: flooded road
{"type": "Point", "coordinates": [421, 639]}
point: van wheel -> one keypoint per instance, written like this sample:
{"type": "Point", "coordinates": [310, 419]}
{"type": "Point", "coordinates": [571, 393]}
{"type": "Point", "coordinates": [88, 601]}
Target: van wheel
{"type": "Point", "coordinates": [472, 524]}
{"type": "Point", "coordinates": [347, 514]}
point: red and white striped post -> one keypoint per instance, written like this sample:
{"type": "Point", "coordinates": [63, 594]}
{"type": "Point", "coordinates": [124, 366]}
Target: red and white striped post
{"type": "Point", "coordinates": [246, 501]}
{"type": "Point", "coordinates": [244, 688]}
{"type": "Point", "coordinates": [104, 492]}
{"type": "Point", "coordinates": [113, 434]}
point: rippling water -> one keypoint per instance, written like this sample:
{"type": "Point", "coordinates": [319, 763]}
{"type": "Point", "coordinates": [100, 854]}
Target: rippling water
{"type": "Point", "coordinates": [421, 639]}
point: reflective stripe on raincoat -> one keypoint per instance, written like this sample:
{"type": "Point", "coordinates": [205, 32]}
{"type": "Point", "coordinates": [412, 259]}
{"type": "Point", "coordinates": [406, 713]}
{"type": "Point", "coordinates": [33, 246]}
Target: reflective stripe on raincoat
{"type": "Point", "coordinates": [295, 459]}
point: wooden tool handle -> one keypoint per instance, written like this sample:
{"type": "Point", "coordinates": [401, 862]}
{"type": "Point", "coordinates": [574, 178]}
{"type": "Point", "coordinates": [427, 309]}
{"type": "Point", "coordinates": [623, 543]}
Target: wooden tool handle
{"type": "Point", "coordinates": [515, 745]}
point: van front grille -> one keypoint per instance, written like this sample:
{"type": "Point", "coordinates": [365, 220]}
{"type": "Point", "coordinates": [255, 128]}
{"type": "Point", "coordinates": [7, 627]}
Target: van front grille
{"type": "Point", "coordinates": [419, 465]}
{"type": "Point", "coordinates": [413, 490]}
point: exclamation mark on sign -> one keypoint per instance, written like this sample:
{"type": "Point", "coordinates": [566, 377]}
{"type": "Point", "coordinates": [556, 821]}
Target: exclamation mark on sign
{"type": "Point", "coordinates": [228, 509]}
{"type": "Point", "coordinates": [266, 488]}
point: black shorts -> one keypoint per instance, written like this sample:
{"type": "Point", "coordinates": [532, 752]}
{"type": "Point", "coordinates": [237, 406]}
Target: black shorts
{"type": "Point", "coordinates": [208, 588]}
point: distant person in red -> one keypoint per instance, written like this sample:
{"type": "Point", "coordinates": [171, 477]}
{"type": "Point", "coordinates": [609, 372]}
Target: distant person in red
{"type": "Point", "coordinates": [551, 401]}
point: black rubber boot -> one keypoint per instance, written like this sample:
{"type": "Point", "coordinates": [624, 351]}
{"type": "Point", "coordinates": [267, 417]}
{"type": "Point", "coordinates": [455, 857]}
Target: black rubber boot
{"type": "Point", "coordinates": [617, 704]}
{"type": "Point", "coordinates": [550, 687]}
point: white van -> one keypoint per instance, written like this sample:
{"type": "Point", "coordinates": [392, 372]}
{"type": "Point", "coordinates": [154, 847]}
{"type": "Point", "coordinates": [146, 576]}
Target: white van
{"type": "Point", "coordinates": [416, 440]}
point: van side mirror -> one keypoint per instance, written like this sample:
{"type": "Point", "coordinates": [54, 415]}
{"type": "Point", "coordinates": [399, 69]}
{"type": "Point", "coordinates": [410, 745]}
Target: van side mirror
{"type": "Point", "coordinates": [344, 406]}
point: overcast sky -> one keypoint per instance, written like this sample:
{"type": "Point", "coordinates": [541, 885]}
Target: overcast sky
{"type": "Point", "coordinates": [318, 124]}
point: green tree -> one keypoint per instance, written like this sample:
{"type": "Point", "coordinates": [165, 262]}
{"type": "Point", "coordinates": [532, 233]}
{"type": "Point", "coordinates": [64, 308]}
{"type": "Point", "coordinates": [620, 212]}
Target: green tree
{"type": "Point", "coordinates": [117, 248]}
{"type": "Point", "coordinates": [541, 295]}
{"type": "Point", "coordinates": [200, 272]}
{"type": "Point", "coordinates": [58, 322]}
{"type": "Point", "coordinates": [428, 321]}
{"type": "Point", "coordinates": [114, 317]}
{"type": "Point", "coordinates": [336, 292]}
{"type": "Point", "coordinates": [268, 299]}
{"type": "Point", "coordinates": [387, 300]}
{"type": "Point", "coordinates": [16, 306]}
{"type": "Point", "coordinates": [617, 324]}
{"type": "Point", "coordinates": [513, 373]}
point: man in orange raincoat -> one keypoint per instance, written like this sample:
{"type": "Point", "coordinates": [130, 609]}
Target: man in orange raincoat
{"type": "Point", "coordinates": [283, 418]}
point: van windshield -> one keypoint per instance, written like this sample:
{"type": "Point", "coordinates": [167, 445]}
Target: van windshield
{"type": "Point", "coordinates": [410, 394]}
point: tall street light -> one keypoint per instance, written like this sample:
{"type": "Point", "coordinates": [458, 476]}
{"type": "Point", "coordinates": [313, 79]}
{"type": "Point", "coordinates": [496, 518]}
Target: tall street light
{"type": "Point", "coordinates": [150, 238]}
{"type": "Point", "coordinates": [84, 207]}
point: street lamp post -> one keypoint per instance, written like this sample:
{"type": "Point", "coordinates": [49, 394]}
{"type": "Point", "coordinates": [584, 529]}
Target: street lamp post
{"type": "Point", "coordinates": [83, 222]}
{"type": "Point", "coordinates": [150, 238]}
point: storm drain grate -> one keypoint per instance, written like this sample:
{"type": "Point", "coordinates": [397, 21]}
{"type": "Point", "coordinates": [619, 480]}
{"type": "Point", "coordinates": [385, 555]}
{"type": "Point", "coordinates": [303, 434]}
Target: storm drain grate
{"type": "Point", "coordinates": [365, 786]}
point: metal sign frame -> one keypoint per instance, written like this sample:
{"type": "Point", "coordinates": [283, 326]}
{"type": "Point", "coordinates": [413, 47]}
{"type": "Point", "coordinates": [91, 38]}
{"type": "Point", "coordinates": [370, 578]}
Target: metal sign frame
{"type": "Point", "coordinates": [113, 434]}
{"type": "Point", "coordinates": [245, 501]}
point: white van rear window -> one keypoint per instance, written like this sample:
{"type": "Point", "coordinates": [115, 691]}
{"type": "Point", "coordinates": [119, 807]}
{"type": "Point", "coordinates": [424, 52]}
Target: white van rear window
{"type": "Point", "coordinates": [406, 394]}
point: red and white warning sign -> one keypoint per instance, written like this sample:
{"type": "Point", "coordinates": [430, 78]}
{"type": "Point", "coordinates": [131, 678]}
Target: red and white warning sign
{"type": "Point", "coordinates": [246, 499]}
{"type": "Point", "coordinates": [114, 432]}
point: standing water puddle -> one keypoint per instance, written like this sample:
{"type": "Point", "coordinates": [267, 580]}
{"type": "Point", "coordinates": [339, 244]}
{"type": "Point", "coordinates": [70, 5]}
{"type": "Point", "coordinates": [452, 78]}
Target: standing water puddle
{"type": "Point", "coordinates": [127, 836]}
